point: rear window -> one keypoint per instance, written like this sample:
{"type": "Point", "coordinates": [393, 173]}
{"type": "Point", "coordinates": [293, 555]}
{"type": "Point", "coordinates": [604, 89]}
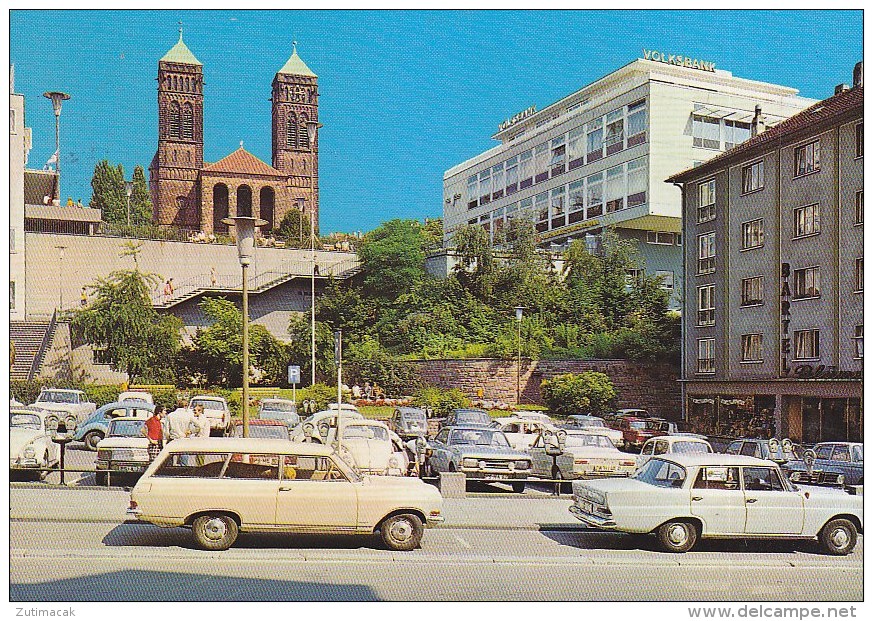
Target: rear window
{"type": "Point", "coordinates": [686, 447]}
{"type": "Point", "coordinates": [201, 465]}
{"type": "Point", "coordinates": [209, 404]}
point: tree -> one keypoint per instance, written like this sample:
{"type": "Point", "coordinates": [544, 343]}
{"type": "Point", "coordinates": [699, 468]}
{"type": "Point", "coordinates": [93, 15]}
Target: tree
{"type": "Point", "coordinates": [294, 229]}
{"type": "Point", "coordinates": [569, 393]}
{"type": "Point", "coordinates": [121, 320]}
{"type": "Point", "coordinates": [140, 200]}
{"type": "Point", "coordinates": [300, 349]}
{"type": "Point", "coordinates": [392, 258]}
{"type": "Point", "coordinates": [108, 192]}
{"type": "Point", "coordinates": [476, 268]}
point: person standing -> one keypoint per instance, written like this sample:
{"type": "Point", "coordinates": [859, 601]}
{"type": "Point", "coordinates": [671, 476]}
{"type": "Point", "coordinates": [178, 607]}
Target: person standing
{"type": "Point", "coordinates": [180, 422]}
{"type": "Point", "coordinates": [83, 298]}
{"type": "Point", "coordinates": [153, 429]}
{"type": "Point", "coordinates": [213, 276]}
{"type": "Point", "coordinates": [202, 425]}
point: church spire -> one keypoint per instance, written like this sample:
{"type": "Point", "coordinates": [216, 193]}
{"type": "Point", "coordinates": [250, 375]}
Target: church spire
{"type": "Point", "coordinates": [295, 64]}
{"type": "Point", "coordinates": [180, 53]}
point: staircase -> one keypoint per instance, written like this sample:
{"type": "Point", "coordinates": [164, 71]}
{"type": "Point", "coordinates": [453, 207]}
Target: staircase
{"type": "Point", "coordinates": [32, 339]}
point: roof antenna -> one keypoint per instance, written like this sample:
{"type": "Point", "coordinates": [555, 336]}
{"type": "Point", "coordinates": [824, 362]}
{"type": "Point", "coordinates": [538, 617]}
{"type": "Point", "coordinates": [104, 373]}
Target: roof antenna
{"type": "Point", "coordinates": [294, 46]}
{"type": "Point", "coordinates": [180, 30]}
{"type": "Point", "coordinates": [240, 144]}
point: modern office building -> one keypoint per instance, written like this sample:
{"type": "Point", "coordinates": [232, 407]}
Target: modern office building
{"type": "Point", "coordinates": [774, 269]}
{"type": "Point", "coordinates": [19, 147]}
{"type": "Point", "coordinates": [598, 157]}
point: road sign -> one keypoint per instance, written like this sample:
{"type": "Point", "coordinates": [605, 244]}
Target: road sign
{"type": "Point", "coordinates": [293, 374]}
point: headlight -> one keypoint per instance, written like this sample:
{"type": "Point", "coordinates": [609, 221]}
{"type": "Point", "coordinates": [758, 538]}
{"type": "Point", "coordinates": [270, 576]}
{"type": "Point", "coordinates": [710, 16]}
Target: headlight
{"type": "Point", "coordinates": [29, 452]}
{"type": "Point", "coordinates": [795, 476]}
{"type": "Point", "coordinates": [522, 465]}
{"type": "Point", "coordinates": [841, 479]}
{"type": "Point", "coordinates": [392, 463]}
{"type": "Point", "coordinates": [141, 454]}
{"type": "Point", "coordinates": [104, 454]}
{"type": "Point", "coordinates": [470, 462]}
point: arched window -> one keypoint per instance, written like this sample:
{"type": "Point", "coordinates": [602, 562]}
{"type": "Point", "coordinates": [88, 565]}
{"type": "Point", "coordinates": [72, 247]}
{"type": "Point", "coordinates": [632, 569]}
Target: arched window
{"type": "Point", "coordinates": [175, 120]}
{"type": "Point", "coordinates": [175, 82]}
{"type": "Point", "coordinates": [304, 133]}
{"type": "Point", "coordinates": [292, 131]}
{"type": "Point", "coordinates": [187, 85]}
{"type": "Point", "coordinates": [267, 208]}
{"type": "Point", "coordinates": [188, 122]}
{"type": "Point", "coordinates": [244, 201]}
{"type": "Point", "coordinates": [220, 209]}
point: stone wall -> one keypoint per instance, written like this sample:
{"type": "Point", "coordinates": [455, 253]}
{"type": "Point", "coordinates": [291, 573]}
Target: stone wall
{"type": "Point", "coordinates": [654, 387]}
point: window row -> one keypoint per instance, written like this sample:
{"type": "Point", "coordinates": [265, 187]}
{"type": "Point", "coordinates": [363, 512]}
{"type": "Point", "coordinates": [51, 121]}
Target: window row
{"type": "Point", "coordinates": [609, 134]}
{"type": "Point", "coordinates": [185, 84]}
{"type": "Point", "coordinates": [298, 132]}
{"type": "Point", "coordinates": [181, 123]}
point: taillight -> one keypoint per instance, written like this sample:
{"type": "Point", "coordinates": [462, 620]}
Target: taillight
{"type": "Point", "coordinates": [581, 461]}
{"type": "Point", "coordinates": [132, 504]}
{"type": "Point", "coordinates": [628, 463]}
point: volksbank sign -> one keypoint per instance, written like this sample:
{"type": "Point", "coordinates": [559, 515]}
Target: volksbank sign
{"type": "Point", "coordinates": [679, 61]}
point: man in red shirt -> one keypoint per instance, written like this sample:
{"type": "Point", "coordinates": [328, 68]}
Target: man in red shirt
{"type": "Point", "coordinates": [153, 429]}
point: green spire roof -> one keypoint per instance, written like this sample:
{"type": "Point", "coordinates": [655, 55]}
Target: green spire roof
{"type": "Point", "coordinates": [180, 53]}
{"type": "Point", "coordinates": [296, 66]}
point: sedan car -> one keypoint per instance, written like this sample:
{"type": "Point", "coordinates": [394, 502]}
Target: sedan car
{"type": "Point", "coordinates": [262, 428]}
{"type": "Point", "coordinates": [669, 445]}
{"type": "Point", "coordinates": [216, 410]}
{"type": "Point", "coordinates": [682, 498]}
{"type": "Point", "coordinates": [480, 453]}
{"type": "Point", "coordinates": [467, 417]}
{"type": "Point", "coordinates": [575, 454]}
{"type": "Point", "coordinates": [839, 464]}
{"type": "Point", "coordinates": [279, 409]}
{"type": "Point", "coordinates": [772, 449]}
{"type": "Point", "coordinates": [95, 428]}
{"type": "Point", "coordinates": [636, 431]}
{"type": "Point", "coordinates": [31, 449]}
{"type": "Point", "coordinates": [596, 425]}
{"type": "Point", "coordinates": [123, 453]}
{"type": "Point", "coordinates": [521, 432]}
{"type": "Point", "coordinates": [408, 422]}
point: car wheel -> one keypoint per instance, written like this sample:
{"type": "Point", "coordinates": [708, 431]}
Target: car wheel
{"type": "Point", "coordinates": [100, 478]}
{"type": "Point", "coordinates": [518, 487]}
{"type": "Point", "coordinates": [838, 537]}
{"type": "Point", "coordinates": [402, 532]}
{"type": "Point", "coordinates": [677, 536]}
{"type": "Point", "coordinates": [215, 531]}
{"type": "Point", "coordinates": [91, 439]}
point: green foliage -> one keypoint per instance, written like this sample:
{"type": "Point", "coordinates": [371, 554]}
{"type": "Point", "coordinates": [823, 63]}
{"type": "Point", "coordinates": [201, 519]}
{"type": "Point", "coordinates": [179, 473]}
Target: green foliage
{"type": "Point", "coordinates": [440, 401]}
{"type": "Point", "coordinates": [294, 229]}
{"type": "Point", "coordinates": [321, 393]}
{"type": "Point", "coordinates": [578, 394]}
{"type": "Point", "coordinates": [26, 391]}
{"type": "Point", "coordinates": [108, 194]}
{"type": "Point", "coordinates": [476, 268]}
{"type": "Point", "coordinates": [140, 200]}
{"type": "Point", "coordinates": [101, 394]}
{"type": "Point", "coordinates": [300, 349]}
{"type": "Point", "coordinates": [367, 361]}
{"type": "Point", "coordinates": [392, 258]}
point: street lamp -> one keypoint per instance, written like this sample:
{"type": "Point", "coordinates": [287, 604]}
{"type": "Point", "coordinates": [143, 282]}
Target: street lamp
{"type": "Point", "coordinates": [519, 314]}
{"type": "Point", "coordinates": [128, 189]}
{"type": "Point", "coordinates": [311, 133]}
{"type": "Point", "coordinates": [245, 245]}
{"type": "Point", "coordinates": [58, 98]}
{"type": "Point", "coordinates": [61, 250]}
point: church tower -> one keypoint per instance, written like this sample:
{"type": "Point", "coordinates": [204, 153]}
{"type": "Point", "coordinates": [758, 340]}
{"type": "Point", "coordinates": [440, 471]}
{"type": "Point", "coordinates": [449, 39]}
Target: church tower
{"type": "Point", "coordinates": [176, 165]}
{"type": "Point", "coordinates": [295, 105]}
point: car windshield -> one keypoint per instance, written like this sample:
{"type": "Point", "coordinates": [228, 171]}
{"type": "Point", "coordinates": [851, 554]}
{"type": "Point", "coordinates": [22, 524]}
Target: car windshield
{"type": "Point", "coordinates": [473, 417]}
{"type": "Point", "coordinates": [858, 453]}
{"type": "Point", "coordinates": [638, 424]}
{"type": "Point", "coordinates": [592, 421]}
{"type": "Point", "coordinates": [125, 428]}
{"type": "Point", "coordinates": [688, 446]}
{"type": "Point", "coordinates": [655, 425]}
{"type": "Point", "coordinates": [414, 417]}
{"type": "Point", "coordinates": [278, 406]}
{"type": "Point", "coordinates": [588, 439]}
{"type": "Point", "coordinates": [56, 396]}
{"type": "Point", "coordinates": [208, 404]}
{"type": "Point", "coordinates": [25, 421]}
{"type": "Point", "coordinates": [661, 473]}
{"type": "Point", "coordinates": [365, 432]}
{"type": "Point", "coordinates": [277, 432]}
{"type": "Point", "coordinates": [483, 437]}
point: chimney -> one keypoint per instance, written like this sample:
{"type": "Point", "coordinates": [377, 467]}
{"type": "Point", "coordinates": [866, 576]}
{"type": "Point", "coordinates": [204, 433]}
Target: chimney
{"type": "Point", "coordinates": [758, 126]}
{"type": "Point", "coordinates": [858, 75]}
{"type": "Point", "coordinates": [841, 88]}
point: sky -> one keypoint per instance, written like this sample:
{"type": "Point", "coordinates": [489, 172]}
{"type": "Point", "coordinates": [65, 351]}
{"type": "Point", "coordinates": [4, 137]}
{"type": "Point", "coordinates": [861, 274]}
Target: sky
{"type": "Point", "coordinates": [403, 95]}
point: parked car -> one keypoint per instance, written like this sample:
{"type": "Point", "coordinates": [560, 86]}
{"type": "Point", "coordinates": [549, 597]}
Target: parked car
{"type": "Point", "coordinates": [136, 395]}
{"type": "Point", "coordinates": [95, 428]}
{"type": "Point", "coordinates": [221, 486]}
{"type": "Point", "coordinates": [468, 417]}
{"type": "Point", "coordinates": [597, 425]}
{"type": "Point", "coordinates": [670, 445]}
{"type": "Point", "coordinates": [682, 498]}
{"type": "Point", "coordinates": [571, 454]}
{"type": "Point", "coordinates": [633, 412]}
{"type": "Point", "coordinates": [521, 432]}
{"type": "Point", "coordinates": [319, 424]}
{"type": "Point", "coordinates": [480, 453]}
{"type": "Point", "coordinates": [635, 431]}
{"type": "Point", "coordinates": [537, 416]}
{"type": "Point", "coordinates": [772, 449]}
{"type": "Point", "coordinates": [216, 410]}
{"type": "Point", "coordinates": [262, 428]}
{"type": "Point", "coordinates": [279, 409]}
{"type": "Point", "coordinates": [408, 422]}
{"type": "Point", "coordinates": [31, 449]}
{"type": "Point", "coordinates": [839, 464]}
{"type": "Point", "coordinates": [69, 406]}
{"type": "Point", "coordinates": [375, 449]}
{"type": "Point", "coordinates": [124, 449]}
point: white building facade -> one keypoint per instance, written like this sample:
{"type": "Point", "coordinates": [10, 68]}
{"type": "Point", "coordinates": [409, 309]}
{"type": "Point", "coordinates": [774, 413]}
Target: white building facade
{"type": "Point", "coordinates": [19, 146]}
{"type": "Point", "coordinates": [598, 158]}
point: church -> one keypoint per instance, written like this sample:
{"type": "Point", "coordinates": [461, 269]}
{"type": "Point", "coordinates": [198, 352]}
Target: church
{"type": "Point", "coordinates": [191, 194]}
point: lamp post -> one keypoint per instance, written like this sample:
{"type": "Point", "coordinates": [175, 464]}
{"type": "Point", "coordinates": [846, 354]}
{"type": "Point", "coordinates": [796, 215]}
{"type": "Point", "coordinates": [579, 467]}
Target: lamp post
{"type": "Point", "coordinates": [128, 189]}
{"type": "Point", "coordinates": [245, 244]}
{"type": "Point", "coordinates": [519, 314]}
{"type": "Point", "coordinates": [58, 98]}
{"type": "Point", "coordinates": [311, 133]}
{"type": "Point", "coordinates": [61, 250]}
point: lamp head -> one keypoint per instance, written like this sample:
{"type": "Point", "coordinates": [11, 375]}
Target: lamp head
{"type": "Point", "coordinates": [128, 188]}
{"type": "Point", "coordinates": [312, 131]}
{"type": "Point", "coordinates": [57, 98]}
{"type": "Point", "coordinates": [519, 312]}
{"type": "Point", "coordinates": [245, 236]}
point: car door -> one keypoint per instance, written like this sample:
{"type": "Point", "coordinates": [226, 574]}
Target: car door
{"type": "Point", "coordinates": [771, 509]}
{"type": "Point", "coordinates": [540, 462]}
{"type": "Point", "coordinates": [314, 494]}
{"type": "Point", "coordinates": [718, 500]}
{"type": "Point", "coordinates": [253, 481]}
{"type": "Point", "coordinates": [439, 459]}
{"type": "Point", "coordinates": [646, 453]}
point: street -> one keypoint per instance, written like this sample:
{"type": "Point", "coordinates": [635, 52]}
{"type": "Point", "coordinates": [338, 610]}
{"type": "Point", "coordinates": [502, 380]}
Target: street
{"type": "Point", "coordinates": [75, 545]}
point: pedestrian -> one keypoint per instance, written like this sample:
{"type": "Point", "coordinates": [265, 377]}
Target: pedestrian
{"type": "Point", "coordinates": [356, 392]}
{"type": "Point", "coordinates": [212, 276]}
{"type": "Point", "coordinates": [153, 429]}
{"type": "Point", "coordinates": [83, 298]}
{"type": "Point", "coordinates": [180, 422]}
{"type": "Point", "coordinates": [368, 391]}
{"type": "Point", "coordinates": [69, 201]}
{"type": "Point", "coordinates": [172, 286]}
{"type": "Point", "coordinates": [168, 291]}
{"type": "Point", "coordinates": [79, 204]}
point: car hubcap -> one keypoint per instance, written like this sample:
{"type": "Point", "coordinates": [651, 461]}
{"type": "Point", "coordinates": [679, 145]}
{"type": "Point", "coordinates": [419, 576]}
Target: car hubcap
{"type": "Point", "coordinates": [401, 531]}
{"type": "Point", "coordinates": [215, 529]}
{"type": "Point", "coordinates": [840, 538]}
{"type": "Point", "coordinates": [677, 535]}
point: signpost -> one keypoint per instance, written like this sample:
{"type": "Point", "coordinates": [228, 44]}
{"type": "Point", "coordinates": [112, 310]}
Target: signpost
{"type": "Point", "coordinates": [294, 379]}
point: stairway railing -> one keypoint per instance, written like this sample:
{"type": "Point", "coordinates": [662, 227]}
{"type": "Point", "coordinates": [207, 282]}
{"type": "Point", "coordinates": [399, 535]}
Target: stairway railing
{"type": "Point", "coordinates": [36, 363]}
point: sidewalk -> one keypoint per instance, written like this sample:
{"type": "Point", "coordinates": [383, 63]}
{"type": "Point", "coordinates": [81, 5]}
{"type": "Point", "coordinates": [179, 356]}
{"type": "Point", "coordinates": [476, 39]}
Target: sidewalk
{"type": "Point", "coordinates": [94, 504]}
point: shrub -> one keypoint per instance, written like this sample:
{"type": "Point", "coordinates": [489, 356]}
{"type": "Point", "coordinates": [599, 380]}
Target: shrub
{"type": "Point", "coordinates": [321, 393]}
{"type": "Point", "coordinates": [26, 391]}
{"type": "Point", "coordinates": [576, 394]}
{"type": "Point", "coordinates": [440, 401]}
{"type": "Point", "coordinates": [102, 394]}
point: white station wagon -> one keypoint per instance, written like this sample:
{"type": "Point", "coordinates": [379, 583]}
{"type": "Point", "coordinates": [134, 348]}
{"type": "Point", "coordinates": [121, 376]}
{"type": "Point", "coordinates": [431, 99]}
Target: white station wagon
{"type": "Point", "coordinates": [683, 497]}
{"type": "Point", "coordinates": [220, 487]}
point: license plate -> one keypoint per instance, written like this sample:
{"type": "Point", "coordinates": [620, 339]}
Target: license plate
{"type": "Point", "coordinates": [499, 476]}
{"type": "Point", "coordinates": [603, 468]}
{"type": "Point", "coordinates": [129, 468]}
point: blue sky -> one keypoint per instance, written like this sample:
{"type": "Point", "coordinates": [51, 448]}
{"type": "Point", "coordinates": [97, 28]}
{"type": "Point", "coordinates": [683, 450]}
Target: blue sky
{"type": "Point", "coordinates": [404, 95]}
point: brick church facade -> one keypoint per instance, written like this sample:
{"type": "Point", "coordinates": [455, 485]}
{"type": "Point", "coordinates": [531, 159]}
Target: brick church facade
{"type": "Point", "coordinates": [192, 194]}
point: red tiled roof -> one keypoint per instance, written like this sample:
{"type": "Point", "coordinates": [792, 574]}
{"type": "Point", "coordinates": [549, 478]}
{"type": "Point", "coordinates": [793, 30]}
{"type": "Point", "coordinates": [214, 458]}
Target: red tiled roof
{"type": "Point", "coordinates": [242, 162]}
{"type": "Point", "coordinates": [818, 113]}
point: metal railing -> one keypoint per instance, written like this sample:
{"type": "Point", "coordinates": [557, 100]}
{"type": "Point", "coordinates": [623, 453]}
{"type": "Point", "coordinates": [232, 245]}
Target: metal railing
{"type": "Point", "coordinates": [36, 363]}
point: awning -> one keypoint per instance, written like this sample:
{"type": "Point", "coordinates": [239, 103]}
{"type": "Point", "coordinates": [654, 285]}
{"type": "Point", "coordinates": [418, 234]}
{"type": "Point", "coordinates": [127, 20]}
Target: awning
{"type": "Point", "coordinates": [721, 113]}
